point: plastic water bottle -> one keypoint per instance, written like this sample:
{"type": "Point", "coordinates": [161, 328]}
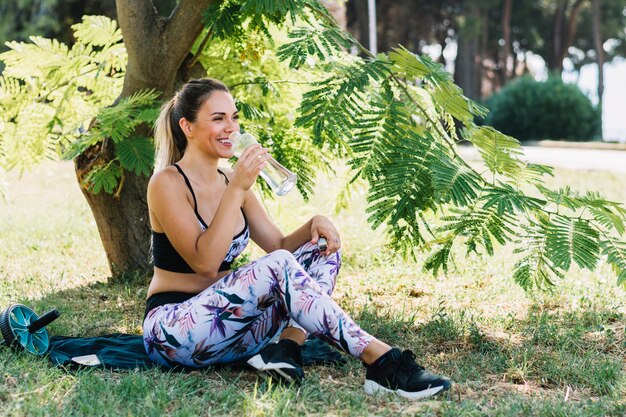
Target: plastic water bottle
{"type": "Point", "coordinates": [279, 178]}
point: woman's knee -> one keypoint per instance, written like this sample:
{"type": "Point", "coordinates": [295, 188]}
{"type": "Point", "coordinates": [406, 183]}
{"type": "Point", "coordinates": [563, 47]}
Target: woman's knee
{"type": "Point", "coordinates": [280, 255]}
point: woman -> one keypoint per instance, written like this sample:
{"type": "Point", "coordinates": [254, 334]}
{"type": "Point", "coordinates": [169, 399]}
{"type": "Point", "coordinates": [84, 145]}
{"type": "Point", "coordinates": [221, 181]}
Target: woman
{"type": "Point", "coordinates": [199, 312]}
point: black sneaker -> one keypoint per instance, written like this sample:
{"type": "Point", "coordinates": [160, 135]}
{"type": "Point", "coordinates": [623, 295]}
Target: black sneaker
{"type": "Point", "coordinates": [282, 360]}
{"type": "Point", "coordinates": [397, 372]}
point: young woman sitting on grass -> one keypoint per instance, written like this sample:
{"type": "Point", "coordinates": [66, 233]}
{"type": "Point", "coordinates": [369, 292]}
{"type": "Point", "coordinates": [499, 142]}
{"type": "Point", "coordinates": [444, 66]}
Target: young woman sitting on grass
{"type": "Point", "coordinates": [199, 311]}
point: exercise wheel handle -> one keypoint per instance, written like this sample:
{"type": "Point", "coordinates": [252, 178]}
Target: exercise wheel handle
{"type": "Point", "coordinates": [44, 320]}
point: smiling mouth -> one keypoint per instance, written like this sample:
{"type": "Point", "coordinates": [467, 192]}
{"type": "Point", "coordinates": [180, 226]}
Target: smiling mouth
{"type": "Point", "coordinates": [225, 142]}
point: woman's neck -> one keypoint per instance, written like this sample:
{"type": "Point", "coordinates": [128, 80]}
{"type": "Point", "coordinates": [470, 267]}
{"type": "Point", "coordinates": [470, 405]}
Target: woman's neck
{"type": "Point", "coordinates": [200, 167]}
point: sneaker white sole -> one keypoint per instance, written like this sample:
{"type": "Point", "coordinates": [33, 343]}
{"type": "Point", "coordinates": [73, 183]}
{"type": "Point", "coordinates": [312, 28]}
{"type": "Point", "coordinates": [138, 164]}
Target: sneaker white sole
{"type": "Point", "coordinates": [273, 369]}
{"type": "Point", "coordinates": [371, 388]}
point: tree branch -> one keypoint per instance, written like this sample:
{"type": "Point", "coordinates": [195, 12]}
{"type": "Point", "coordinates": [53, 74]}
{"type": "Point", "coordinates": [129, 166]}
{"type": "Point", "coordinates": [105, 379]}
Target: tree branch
{"type": "Point", "coordinates": [185, 25]}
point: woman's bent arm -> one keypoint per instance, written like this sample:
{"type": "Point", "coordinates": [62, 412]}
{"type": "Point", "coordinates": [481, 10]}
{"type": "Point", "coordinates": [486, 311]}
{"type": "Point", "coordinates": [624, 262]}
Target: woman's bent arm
{"type": "Point", "coordinates": [174, 215]}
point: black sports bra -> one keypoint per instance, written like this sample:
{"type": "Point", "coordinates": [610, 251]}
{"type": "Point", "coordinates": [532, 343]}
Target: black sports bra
{"type": "Point", "coordinates": [165, 256]}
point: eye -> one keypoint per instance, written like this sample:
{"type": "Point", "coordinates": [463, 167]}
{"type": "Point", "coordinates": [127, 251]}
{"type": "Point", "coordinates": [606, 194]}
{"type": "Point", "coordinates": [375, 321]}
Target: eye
{"type": "Point", "coordinates": [236, 117]}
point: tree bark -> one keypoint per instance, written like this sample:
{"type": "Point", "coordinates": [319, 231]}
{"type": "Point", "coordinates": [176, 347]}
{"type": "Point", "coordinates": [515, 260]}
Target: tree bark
{"type": "Point", "coordinates": [598, 45]}
{"type": "Point", "coordinates": [157, 48]}
{"type": "Point", "coordinates": [557, 35]}
{"type": "Point", "coordinates": [564, 33]}
{"type": "Point", "coordinates": [467, 63]}
{"type": "Point", "coordinates": [570, 32]}
{"type": "Point", "coordinates": [358, 20]}
{"type": "Point", "coordinates": [506, 48]}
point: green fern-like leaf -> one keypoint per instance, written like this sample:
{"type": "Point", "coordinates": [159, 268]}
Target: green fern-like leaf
{"type": "Point", "coordinates": [480, 227]}
{"type": "Point", "coordinates": [445, 93]}
{"type": "Point", "coordinates": [610, 214]}
{"type": "Point", "coordinates": [500, 152]}
{"type": "Point", "coordinates": [535, 269]}
{"type": "Point", "coordinates": [606, 216]}
{"type": "Point", "coordinates": [322, 43]}
{"type": "Point", "coordinates": [572, 240]}
{"type": "Point", "coordinates": [533, 174]}
{"type": "Point", "coordinates": [105, 177]}
{"type": "Point", "coordinates": [615, 252]}
{"type": "Point", "coordinates": [225, 20]}
{"type": "Point", "coordinates": [275, 11]}
{"type": "Point", "coordinates": [80, 145]}
{"type": "Point", "coordinates": [454, 182]}
{"type": "Point", "coordinates": [136, 154]}
{"type": "Point", "coordinates": [561, 197]}
{"type": "Point", "coordinates": [250, 112]}
{"type": "Point", "coordinates": [507, 199]}
{"type": "Point", "coordinates": [119, 122]}
{"type": "Point", "coordinates": [439, 258]}
{"type": "Point", "coordinates": [97, 30]}
{"type": "Point", "coordinates": [328, 123]}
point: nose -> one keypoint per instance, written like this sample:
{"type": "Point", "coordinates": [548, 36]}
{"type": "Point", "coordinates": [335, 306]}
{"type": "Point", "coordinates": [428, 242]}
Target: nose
{"type": "Point", "coordinates": [233, 125]}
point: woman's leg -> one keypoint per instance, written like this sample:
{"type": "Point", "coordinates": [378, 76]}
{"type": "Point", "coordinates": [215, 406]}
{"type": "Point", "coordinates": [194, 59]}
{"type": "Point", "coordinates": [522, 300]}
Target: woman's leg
{"type": "Point", "coordinates": [324, 270]}
{"type": "Point", "coordinates": [239, 314]}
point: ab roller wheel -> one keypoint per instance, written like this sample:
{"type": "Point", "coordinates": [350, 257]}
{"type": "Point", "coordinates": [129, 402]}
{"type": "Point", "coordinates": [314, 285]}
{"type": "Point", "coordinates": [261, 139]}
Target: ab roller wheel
{"type": "Point", "coordinates": [22, 328]}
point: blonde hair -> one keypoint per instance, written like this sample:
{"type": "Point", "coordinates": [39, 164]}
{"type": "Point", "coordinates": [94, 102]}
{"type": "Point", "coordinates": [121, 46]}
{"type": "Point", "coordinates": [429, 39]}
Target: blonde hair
{"type": "Point", "coordinates": [170, 140]}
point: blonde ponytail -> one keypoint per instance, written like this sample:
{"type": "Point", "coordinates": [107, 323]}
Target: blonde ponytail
{"type": "Point", "coordinates": [167, 153]}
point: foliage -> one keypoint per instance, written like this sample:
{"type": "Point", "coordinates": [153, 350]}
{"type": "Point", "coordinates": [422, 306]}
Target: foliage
{"type": "Point", "coordinates": [394, 116]}
{"type": "Point", "coordinates": [267, 92]}
{"type": "Point", "coordinates": [49, 92]}
{"type": "Point", "coordinates": [534, 110]}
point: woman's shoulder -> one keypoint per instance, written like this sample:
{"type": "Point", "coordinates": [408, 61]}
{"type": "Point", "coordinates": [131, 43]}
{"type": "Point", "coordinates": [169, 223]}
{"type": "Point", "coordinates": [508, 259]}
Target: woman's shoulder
{"type": "Point", "coordinates": [166, 178]}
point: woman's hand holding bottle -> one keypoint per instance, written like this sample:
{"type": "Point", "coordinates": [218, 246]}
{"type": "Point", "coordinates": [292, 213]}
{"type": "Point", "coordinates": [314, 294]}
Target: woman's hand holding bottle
{"type": "Point", "coordinates": [249, 165]}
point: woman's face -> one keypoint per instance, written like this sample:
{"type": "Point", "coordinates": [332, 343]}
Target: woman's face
{"type": "Point", "coordinates": [217, 118]}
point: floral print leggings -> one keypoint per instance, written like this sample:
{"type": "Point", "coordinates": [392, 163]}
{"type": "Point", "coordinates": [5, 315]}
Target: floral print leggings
{"type": "Point", "coordinates": [238, 315]}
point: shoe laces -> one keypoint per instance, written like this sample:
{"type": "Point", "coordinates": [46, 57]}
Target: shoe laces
{"type": "Point", "coordinates": [407, 361]}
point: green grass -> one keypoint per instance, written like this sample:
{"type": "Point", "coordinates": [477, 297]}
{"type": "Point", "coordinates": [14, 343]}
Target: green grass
{"type": "Point", "coordinates": [558, 353]}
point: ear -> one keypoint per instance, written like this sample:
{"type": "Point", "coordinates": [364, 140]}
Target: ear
{"type": "Point", "coordinates": [185, 125]}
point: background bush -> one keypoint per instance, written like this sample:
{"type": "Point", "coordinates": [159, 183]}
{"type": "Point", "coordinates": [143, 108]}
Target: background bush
{"type": "Point", "coordinates": [531, 110]}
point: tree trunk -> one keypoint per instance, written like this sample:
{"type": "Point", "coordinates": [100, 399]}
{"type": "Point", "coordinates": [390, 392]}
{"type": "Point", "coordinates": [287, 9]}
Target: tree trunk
{"type": "Point", "coordinates": [506, 48]}
{"type": "Point", "coordinates": [564, 33]}
{"type": "Point", "coordinates": [598, 45]}
{"type": "Point", "coordinates": [557, 36]}
{"type": "Point", "coordinates": [570, 31]}
{"type": "Point", "coordinates": [358, 20]}
{"type": "Point", "coordinates": [466, 66]}
{"type": "Point", "coordinates": [157, 48]}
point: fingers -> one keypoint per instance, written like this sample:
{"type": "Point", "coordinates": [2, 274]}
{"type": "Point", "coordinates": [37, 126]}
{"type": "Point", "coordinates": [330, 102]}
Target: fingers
{"type": "Point", "coordinates": [254, 158]}
{"type": "Point", "coordinates": [249, 165]}
{"type": "Point", "coordinates": [321, 227]}
{"type": "Point", "coordinates": [314, 236]}
{"type": "Point", "coordinates": [328, 245]}
{"type": "Point", "coordinates": [334, 244]}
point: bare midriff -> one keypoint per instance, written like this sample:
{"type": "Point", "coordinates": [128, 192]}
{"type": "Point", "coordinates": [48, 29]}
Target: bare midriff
{"type": "Point", "coordinates": [164, 281]}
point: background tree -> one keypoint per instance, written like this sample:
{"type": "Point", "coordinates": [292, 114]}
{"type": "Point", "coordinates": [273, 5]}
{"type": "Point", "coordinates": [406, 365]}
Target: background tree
{"type": "Point", "coordinates": [598, 45]}
{"type": "Point", "coordinates": [510, 31]}
{"type": "Point", "coordinates": [48, 18]}
{"type": "Point", "coordinates": [471, 40]}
